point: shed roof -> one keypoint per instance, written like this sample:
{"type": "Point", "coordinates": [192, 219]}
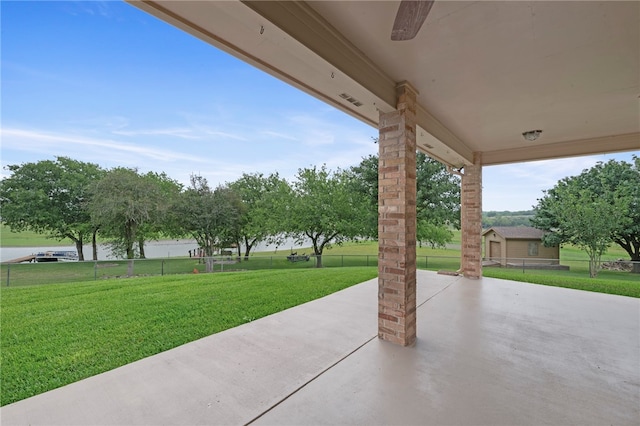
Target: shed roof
{"type": "Point", "coordinates": [516, 232]}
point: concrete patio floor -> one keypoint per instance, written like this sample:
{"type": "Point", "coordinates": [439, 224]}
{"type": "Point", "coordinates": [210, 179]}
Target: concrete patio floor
{"type": "Point", "coordinates": [488, 352]}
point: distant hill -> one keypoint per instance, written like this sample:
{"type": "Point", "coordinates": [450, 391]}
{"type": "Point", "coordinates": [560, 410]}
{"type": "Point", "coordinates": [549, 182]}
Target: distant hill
{"type": "Point", "coordinates": [507, 218]}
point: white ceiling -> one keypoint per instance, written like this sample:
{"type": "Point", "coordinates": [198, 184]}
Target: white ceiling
{"type": "Point", "coordinates": [485, 71]}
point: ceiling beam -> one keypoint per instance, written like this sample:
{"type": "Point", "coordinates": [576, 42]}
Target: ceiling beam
{"type": "Point", "coordinates": [446, 147]}
{"type": "Point", "coordinates": [607, 144]}
{"type": "Point", "coordinates": [294, 43]}
{"type": "Point", "coordinates": [309, 28]}
{"type": "Point", "coordinates": [304, 24]}
{"type": "Point", "coordinates": [243, 32]}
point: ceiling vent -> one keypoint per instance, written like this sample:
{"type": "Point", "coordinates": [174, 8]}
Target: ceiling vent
{"type": "Point", "coordinates": [350, 99]}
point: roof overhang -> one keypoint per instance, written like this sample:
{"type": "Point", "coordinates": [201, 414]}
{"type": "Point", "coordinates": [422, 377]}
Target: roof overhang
{"type": "Point", "coordinates": [485, 71]}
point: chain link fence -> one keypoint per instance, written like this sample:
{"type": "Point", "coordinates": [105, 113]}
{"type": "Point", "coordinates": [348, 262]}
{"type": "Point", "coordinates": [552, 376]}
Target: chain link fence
{"type": "Point", "coordinates": [25, 274]}
{"type": "Point", "coordinates": [533, 265]}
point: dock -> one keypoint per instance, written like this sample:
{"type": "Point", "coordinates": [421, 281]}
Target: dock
{"type": "Point", "coordinates": [29, 258]}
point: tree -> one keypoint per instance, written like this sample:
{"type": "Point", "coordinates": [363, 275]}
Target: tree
{"type": "Point", "coordinates": [618, 183]}
{"type": "Point", "coordinates": [161, 224]}
{"type": "Point", "coordinates": [323, 209]}
{"type": "Point", "coordinates": [584, 220]}
{"type": "Point", "coordinates": [211, 217]}
{"type": "Point", "coordinates": [50, 197]}
{"type": "Point", "coordinates": [259, 196]}
{"type": "Point", "coordinates": [604, 198]}
{"type": "Point", "coordinates": [124, 204]}
{"type": "Point", "coordinates": [363, 180]}
{"type": "Point", "coordinates": [438, 197]}
{"type": "Point", "coordinates": [507, 218]}
{"type": "Point", "coordinates": [435, 236]}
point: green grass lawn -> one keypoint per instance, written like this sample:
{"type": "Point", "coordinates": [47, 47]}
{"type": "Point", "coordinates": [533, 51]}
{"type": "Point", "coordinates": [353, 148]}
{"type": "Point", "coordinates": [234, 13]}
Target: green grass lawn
{"type": "Point", "coordinates": [363, 248]}
{"type": "Point", "coordinates": [569, 252]}
{"type": "Point", "coordinates": [621, 283]}
{"type": "Point", "coordinates": [348, 254]}
{"type": "Point", "coordinates": [22, 274]}
{"type": "Point", "coordinates": [28, 274]}
{"type": "Point", "coordinates": [59, 333]}
{"type": "Point", "coordinates": [94, 320]}
{"type": "Point", "coordinates": [9, 238]}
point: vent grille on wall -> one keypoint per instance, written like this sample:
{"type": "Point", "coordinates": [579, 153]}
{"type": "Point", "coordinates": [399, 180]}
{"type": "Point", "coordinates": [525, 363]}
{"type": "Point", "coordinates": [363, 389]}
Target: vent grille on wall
{"type": "Point", "coordinates": [350, 99]}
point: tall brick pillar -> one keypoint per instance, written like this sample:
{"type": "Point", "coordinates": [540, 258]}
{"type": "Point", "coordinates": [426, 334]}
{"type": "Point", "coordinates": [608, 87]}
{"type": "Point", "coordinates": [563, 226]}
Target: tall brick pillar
{"type": "Point", "coordinates": [397, 221]}
{"type": "Point", "coordinates": [471, 219]}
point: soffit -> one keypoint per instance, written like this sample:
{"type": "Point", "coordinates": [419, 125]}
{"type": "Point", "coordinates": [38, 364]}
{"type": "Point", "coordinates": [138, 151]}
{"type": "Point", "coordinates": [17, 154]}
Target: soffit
{"type": "Point", "coordinates": [485, 71]}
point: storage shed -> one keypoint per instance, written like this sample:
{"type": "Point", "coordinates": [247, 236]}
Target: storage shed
{"type": "Point", "coordinates": [518, 245]}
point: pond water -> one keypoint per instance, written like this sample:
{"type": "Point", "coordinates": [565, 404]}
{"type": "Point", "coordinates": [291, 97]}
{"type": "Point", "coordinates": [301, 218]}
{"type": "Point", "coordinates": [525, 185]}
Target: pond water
{"type": "Point", "coordinates": [153, 249]}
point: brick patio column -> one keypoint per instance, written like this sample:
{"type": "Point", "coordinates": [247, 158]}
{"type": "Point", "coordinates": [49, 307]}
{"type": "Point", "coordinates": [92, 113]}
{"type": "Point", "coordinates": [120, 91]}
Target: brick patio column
{"type": "Point", "coordinates": [471, 219]}
{"type": "Point", "coordinates": [397, 221]}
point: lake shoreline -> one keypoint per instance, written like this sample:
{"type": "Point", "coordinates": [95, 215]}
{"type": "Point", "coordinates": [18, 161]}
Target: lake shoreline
{"type": "Point", "coordinates": [153, 249]}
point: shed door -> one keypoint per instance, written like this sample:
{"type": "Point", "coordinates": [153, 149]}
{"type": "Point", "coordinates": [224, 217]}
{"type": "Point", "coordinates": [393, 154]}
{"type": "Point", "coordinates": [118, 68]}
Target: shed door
{"type": "Point", "coordinates": [494, 250]}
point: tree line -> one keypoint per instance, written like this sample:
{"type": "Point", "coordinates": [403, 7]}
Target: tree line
{"type": "Point", "coordinates": [507, 218]}
{"type": "Point", "coordinates": [66, 198]}
{"type": "Point", "coordinates": [599, 207]}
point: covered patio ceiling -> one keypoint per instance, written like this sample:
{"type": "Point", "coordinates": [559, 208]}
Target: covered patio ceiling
{"type": "Point", "coordinates": [485, 71]}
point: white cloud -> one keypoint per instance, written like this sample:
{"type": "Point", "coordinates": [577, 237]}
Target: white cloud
{"type": "Point", "coordinates": [109, 122]}
{"type": "Point", "coordinates": [93, 8]}
{"type": "Point", "coordinates": [278, 135]}
{"type": "Point", "coordinates": [519, 186]}
{"type": "Point", "coordinates": [508, 187]}
{"type": "Point", "coordinates": [314, 129]}
{"type": "Point", "coordinates": [57, 144]}
{"type": "Point", "coordinates": [219, 166]}
{"type": "Point", "coordinates": [178, 132]}
{"type": "Point", "coordinates": [223, 135]}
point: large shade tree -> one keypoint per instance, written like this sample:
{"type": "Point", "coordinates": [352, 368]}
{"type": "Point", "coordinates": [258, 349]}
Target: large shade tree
{"type": "Point", "coordinates": [598, 207]}
{"type": "Point", "coordinates": [124, 204]}
{"type": "Point", "coordinates": [50, 197]}
{"type": "Point", "coordinates": [437, 201]}
{"type": "Point", "coordinates": [323, 208]}
{"type": "Point", "coordinates": [260, 197]}
{"type": "Point", "coordinates": [363, 180]}
{"type": "Point", "coordinates": [437, 198]}
{"type": "Point", "coordinates": [211, 216]}
{"type": "Point", "coordinates": [161, 225]}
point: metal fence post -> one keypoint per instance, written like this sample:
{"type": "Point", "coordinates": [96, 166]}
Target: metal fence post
{"type": "Point", "coordinates": [8, 273]}
{"type": "Point", "coordinates": [162, 269]}
{"type": "Point", "coordinates": [342, 261]}
{"type": "Point", "coordinates": [130, 268]}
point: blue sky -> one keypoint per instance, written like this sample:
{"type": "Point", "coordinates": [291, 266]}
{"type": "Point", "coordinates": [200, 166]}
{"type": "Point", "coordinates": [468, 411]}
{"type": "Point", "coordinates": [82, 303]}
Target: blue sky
{"type": "Point", "coordinates": [106, 83]}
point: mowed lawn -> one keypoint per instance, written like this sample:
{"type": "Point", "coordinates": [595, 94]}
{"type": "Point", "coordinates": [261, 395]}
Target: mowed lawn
{"type": "Point", "coordinates": [57, 334]}
{"type": "Point", "coordinates": [8, 238]}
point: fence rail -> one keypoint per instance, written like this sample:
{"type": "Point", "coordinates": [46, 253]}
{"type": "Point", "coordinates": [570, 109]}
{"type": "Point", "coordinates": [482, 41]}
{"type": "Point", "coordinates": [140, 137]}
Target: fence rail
{"type": "Point", "coordinates": [24, 274]}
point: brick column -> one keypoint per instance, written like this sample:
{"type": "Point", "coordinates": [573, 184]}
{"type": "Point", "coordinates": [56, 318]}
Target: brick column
{"type": "Point", "coordinates": [397, 221]}
{"type": "Point", "coordinates": [471, 219]}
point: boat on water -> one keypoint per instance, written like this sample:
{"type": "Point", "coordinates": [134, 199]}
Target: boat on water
{"type": "Point", "coordinates": [56, 256]}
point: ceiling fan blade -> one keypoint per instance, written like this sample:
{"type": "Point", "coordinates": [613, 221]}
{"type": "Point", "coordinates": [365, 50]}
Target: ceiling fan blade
{"type": "Point", "coordinates": [410, 17]}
